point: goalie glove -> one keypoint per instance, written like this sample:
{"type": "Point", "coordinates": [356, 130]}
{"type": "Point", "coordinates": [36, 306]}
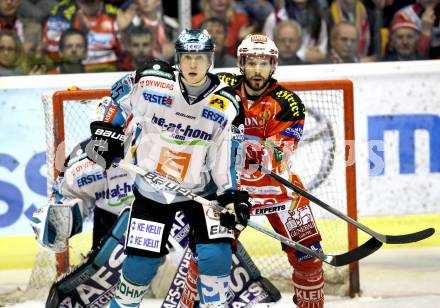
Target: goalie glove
{"type": "Point", "coordinates": [107, 143]}
{"type": "Point", "coordinates": [53, 224]}
{"type": "Point", "coordinates": [237, 207]}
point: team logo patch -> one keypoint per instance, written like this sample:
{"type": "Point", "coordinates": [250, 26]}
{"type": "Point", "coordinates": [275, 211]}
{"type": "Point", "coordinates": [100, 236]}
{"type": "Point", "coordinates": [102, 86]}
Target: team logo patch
{"type": "Point", "coordinates": [218, 102]}
{"type": "Point", "coordinates": [162, 99]}
{"type": "Point", "coordinates": [153, 83]}
{"type": "Point", "coordinates": [294, 131]}
{"type": "Point", "coordinates": [145, 235]}
{"type": "Point", "coordinates": [173, 164]}
{"type": "Point", "coordinates": [181, 134]}
{"type": "Point", "coordinates": [215, 116]}
{"type": "Point", "coordinates": [111, 113]}
{"type": "Point", "coordinates": [290, 98]}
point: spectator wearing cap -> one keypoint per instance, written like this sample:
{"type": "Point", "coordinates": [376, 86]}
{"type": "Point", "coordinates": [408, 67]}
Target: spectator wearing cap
{"type": "Point", "coordinates": [425, 14]}
{"type": "Point", "coordinates": [218, 30]}
{"type": "Point", "coordinates": [287, 36]}
{"type": "Point", "coordinates": [403, 42]}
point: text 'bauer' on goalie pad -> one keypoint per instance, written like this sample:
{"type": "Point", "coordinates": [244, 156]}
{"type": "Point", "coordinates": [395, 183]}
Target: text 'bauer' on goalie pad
{"type": "Point", "coordinates": [93, 283]}
{"type": "Point", "coordinates": [246, 287]}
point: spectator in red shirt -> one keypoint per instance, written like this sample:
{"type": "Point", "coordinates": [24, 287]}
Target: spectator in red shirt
{"type": "Point", "coordinates": [238, 23]}
{"type": "Point", "coordinates": [139, 43]}
{"type": "Point", "coordinates": [96, 19]}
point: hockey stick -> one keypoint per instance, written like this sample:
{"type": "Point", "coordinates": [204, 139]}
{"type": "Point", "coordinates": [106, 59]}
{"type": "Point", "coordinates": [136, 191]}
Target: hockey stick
{"type": "Point", "coordinates": [389, 239]}
{"type": "Point", "coordinates": [336, 260]}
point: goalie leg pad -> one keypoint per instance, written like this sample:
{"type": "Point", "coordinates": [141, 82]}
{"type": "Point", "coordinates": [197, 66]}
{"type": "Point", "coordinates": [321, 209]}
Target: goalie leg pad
{"type": "Point", "coordinates": [137, 273]}
{"type": "Point", "coordinates": [215, 261]}
{"type": "Point", "coordinates": [213, 290]}
{"type": "Point", "coordinates": [308, 281]}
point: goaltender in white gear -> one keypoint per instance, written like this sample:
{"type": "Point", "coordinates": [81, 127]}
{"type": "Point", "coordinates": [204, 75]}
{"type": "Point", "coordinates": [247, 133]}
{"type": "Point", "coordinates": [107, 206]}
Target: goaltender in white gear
{"type": "Point", "coordinates": [81, 188]}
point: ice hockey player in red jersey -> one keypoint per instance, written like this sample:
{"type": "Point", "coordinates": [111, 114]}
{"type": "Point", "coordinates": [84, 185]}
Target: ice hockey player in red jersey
{"type": "Point", "coordinates": [274, 119]}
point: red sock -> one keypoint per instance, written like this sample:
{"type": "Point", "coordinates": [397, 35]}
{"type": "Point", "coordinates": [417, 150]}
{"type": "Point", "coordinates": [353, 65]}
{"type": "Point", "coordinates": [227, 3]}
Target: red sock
{"type": "Point", "coordinates": [308, 282]}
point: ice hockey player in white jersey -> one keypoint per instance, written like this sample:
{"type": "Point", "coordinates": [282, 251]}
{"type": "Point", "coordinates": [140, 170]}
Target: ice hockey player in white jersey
{"type": "Point", "coordinates": [82, 188]}
{"type": "Point", "coordinates": [184, 133]}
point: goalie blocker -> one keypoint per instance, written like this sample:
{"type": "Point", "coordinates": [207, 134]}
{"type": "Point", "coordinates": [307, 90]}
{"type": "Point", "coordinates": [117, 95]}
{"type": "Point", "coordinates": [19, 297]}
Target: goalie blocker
{"type": "Point", "coordinates": [107, 143]}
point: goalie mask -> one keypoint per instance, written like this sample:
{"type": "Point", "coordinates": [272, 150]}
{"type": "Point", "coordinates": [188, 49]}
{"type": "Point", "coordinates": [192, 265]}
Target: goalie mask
{"type": "Point", "coordinates": [257, 45]}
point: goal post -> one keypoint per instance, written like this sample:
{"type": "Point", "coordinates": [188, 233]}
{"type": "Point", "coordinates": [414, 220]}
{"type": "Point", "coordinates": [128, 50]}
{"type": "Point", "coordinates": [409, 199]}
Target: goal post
{"type": "Point", "coordinates": [324, 160]}
{"type": "Point", "coordinates": [346, 87]}
{"type": "Point", "coordinates": [55, 161]}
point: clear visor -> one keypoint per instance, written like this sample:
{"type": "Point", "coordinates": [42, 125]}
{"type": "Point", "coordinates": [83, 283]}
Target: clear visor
{"type": "Point", "coordinates": [195, 58]}
{"type": "Point", "coordinates": [254, 61]}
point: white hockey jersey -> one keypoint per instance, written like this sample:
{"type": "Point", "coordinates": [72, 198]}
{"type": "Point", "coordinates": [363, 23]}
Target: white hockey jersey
{"type": "Point", "coordinates": [188, 142]}
{"type": "Point", "coordinates": [110, 190]}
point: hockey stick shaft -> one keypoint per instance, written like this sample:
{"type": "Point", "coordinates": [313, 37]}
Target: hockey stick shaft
{"type": "Point", "coordinates": [389, 239]}
{"type": "Point", "coordinates": [335, 260]}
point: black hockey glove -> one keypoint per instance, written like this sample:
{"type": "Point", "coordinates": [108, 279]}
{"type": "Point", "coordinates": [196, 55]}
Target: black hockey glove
{"type": "Point", "coordinates": [107, 143]}
{"type": "Point", "coordinates": [238, 209]}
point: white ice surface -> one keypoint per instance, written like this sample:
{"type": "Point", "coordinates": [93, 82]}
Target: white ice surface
{"type": "Point", "coordinates": [402, 278]}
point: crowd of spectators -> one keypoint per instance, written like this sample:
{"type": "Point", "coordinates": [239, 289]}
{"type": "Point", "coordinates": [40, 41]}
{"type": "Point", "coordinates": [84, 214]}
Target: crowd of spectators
{"type": "Point", "coordinates": [75, 36]}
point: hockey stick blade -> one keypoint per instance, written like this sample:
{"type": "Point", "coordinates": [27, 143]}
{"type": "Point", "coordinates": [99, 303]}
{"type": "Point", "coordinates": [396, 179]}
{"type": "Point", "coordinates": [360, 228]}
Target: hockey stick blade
{"type": "Point", "coordinates": [348, 257]}
{"type": "Point", "coordinates": [388, 239]}
{"type": "Point", "coordinates": [408, 238]}
{"type": "Point", "coordinates": [336, 260]}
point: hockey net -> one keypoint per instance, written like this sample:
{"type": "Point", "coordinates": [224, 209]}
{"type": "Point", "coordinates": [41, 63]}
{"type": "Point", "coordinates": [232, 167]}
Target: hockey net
{"type": "Point", "coordinates": [324, 160]}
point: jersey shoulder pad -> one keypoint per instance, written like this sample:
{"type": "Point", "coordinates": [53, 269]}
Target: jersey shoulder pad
{"type": "Point", "coordinates": [232, 80]}
{"type": "Point", "coordinates": [156, 68]}
{"type": "Point", "coordinates": [292, 108]}
{"type": "Point", "coordinates": [229, 94]}
{"type": "Point", "coordinates": [77, 155]}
